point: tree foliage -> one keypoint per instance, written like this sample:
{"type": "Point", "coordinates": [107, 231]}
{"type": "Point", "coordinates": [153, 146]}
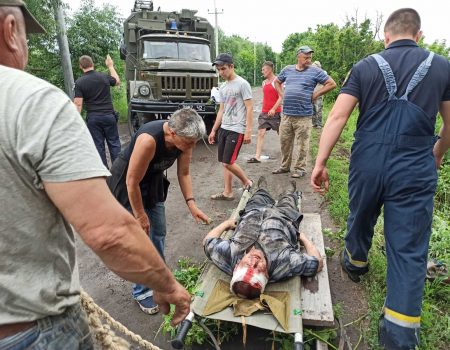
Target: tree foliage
{"type": "Point", "coordinates": [245, 61]}
{"type": "Point", "coordinates": [337, 48]}
{"type": "Point", "coordinates": [91, 30]}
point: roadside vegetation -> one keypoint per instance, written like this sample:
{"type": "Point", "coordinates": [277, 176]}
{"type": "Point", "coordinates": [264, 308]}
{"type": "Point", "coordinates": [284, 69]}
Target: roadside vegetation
{"type": "Point", "coordinates": [435, 322]}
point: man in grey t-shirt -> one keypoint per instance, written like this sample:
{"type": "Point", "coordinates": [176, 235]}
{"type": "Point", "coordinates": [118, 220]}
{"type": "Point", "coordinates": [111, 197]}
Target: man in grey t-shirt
{"type": "Point", "coordinates": [234, 123]}
{"type": "Point", "coordinates": [53, 179]}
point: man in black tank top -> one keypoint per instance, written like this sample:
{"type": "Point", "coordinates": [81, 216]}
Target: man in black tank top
{"type": "Point", "coordinates": [139, 183]}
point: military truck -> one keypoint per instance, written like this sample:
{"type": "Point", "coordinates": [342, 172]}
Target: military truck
{"type": "Point", "coordinates": [168, 64]}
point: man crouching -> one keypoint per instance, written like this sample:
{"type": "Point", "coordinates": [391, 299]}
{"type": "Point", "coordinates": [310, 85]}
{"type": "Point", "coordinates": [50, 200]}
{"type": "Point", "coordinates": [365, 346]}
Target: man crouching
{"type": "Point", "coordinates": [264, 246]}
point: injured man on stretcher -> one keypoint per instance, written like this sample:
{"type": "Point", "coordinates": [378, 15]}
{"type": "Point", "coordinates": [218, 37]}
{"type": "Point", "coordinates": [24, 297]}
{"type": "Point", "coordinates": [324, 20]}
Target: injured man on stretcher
{"type": "Point", "coordinates": [265, 244]}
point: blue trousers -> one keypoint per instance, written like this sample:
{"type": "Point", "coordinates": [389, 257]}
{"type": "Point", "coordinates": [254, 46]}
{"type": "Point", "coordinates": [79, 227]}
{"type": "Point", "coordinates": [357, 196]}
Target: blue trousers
{"type": "Point", "coordinates": [69, 331]}
{"type": "Point", "coordinates": [104, 127]}
{"type": "Point", "coordinates": [157, 217]}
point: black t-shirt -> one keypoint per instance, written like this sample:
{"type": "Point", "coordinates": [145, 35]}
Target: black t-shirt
{"type": "Point", "coordinates": [93, 87]}
{"type": "Point", "coordinates": [366, 81]}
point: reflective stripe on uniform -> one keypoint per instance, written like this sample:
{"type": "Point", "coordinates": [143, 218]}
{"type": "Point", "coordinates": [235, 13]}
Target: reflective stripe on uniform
{"type": "Point", "coordinates": [400, 319]}
{"type": "Point", "coordinates": [355, 262]}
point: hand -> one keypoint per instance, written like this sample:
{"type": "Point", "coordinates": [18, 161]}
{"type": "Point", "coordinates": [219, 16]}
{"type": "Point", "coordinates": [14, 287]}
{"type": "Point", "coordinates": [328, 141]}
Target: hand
{"type": "Point", "coordinates": [109, 62]}
{"type": "Point", "coordinates": [211, 137]}
{"type": "Point", "coordinates": [197, 214]}
{"type": "Point", "coordinates": [314, 97]}
{"type": "Point", "coordinates": [319, 179]}
{"type": "Point", "coordinates": [438, 159]}
{"type": "Point", "coordinates": [271, 113]}
{"type": "Point", "coordinates": [230, 223]}
{"type": "Point", "coordinates": [144, 222]}
{"type": "Point", "coordinates": [248, 137]}
{"type": "Point", "coordinates": [179, 297]}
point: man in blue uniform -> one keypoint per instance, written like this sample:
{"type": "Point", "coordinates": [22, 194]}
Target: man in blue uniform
{"type": "Point", "coordinates": [393, 164]}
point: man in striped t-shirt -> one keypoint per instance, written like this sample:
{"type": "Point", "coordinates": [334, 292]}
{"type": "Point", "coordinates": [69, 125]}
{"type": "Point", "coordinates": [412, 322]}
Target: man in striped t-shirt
{"type": "Point", "coordinates": [298, 96]}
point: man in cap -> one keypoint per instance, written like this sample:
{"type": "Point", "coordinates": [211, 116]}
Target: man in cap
{"type": "Point", "coordinates": [52, 180]}
{"type": "Point", "coordinates": [265, 244]}
{"type": "Point", "coordinates": [298, 97]}
{"type": "Point", "coordinates": [233, 124]}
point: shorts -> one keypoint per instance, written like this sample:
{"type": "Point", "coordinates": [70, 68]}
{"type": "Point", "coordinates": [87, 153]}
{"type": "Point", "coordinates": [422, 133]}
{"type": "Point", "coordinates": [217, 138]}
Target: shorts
{"type": "Point", "coordinates": [229, 144]}
{"type": "Point", "coordinates": [266, 122]}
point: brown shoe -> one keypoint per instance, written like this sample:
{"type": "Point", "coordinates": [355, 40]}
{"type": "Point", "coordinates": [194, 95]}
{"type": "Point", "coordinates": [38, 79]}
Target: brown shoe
{"type": "Point", "coordinates": [280, 171]}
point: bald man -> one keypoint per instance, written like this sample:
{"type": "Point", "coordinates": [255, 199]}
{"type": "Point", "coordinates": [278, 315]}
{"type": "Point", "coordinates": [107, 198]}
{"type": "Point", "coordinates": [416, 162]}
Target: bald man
{"type": "Point", "coordinates": [52, 180]}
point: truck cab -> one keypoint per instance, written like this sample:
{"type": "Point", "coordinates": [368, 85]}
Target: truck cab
{"type": "Point", "coordinates": [168, 65]}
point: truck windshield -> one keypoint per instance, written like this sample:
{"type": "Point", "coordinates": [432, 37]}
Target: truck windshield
{"type": "Point", "coordinates": [174, 50]}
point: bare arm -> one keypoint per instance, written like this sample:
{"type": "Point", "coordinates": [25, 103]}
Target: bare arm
{"type": "Point", "coordinates": [78, 101]}
{"type": "Point", "coordinates": [332, 130]}
{"type": "Point", "coordinates": [311, 249]}
{"type": "Point", "coordinates": [279, 88]}
{"type": "Point", "coordinates": [143, 153]}
{"type": "Point", "coordinates": [185, 181]}
{"type": "Point", "coordinates": [110, 64]}
{"type": "Point", "coordinates": [249, 120]}
{"type": "Point", "coordinates": [217, 124]}
{"type": "Point", "coordinates": [329, 85]}
{"type": "Point", "coordinates": [443, 144]}
{"type": "Point", "coordinates": [218, 230]}
{"type": "Point", "coordinates": [116, 237]}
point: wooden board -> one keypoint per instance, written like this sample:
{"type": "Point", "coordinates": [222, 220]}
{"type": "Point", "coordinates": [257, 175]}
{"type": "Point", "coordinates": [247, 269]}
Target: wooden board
{"type": "Point", "coordinates": [315, 291]}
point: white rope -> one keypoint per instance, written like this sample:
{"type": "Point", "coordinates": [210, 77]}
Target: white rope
{"type": "Point", "coordinates": [104, 333]}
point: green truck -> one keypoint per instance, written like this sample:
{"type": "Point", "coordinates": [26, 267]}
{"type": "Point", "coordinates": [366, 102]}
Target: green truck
{"type": "Point", "coordinates": [168, 64]}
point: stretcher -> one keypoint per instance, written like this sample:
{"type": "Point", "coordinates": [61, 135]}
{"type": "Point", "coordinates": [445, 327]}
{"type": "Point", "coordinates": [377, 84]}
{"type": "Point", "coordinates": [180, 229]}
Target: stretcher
{"type": "Point", "coordinates": [260, 319]}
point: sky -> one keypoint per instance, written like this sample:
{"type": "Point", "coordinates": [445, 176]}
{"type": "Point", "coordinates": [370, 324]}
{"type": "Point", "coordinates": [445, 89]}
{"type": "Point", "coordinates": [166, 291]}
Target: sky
{"type": "Point", "coordinates": [272, 21]}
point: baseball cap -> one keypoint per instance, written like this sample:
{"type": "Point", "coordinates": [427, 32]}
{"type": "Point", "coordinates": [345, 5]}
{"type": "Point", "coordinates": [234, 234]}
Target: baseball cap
{"type": "Point", "coordinates": [32, 25]}
{"type": "Point", "coordinates": [223, 58]}
{"type": "Point", "coordinates": [304, 49]}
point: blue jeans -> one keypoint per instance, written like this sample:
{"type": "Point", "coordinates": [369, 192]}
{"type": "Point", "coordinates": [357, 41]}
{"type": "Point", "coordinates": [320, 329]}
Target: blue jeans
{"type": "Point", "coordinates": [104, 127]}
{"type": "Point", "coordinates": [68, 331]}
{"type": "Point", "coordinates": [157, 217]}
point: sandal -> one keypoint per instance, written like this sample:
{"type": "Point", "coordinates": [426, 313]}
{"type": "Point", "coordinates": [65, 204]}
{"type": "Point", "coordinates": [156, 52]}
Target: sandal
{"type": "Point", "coordinates": [280, 171]}
{"type": "Point", "coordinates": [298, 173]}
{"type": "Point", "coordinates": [221, 197]}
{"type": "Point", "coordinates": [253, 160]}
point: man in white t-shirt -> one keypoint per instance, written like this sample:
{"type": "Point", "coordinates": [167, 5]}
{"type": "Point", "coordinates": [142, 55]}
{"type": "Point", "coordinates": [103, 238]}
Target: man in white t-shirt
{"type": "Point", "coordinates": [233, 123]}
{"type": "Point", "coordinates": [52, 180]}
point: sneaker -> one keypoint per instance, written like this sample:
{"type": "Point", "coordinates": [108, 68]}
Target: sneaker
{"type": "Point", "coordinates": [355, 277]}
{"type": "Point", "coordinates": [148, 306]}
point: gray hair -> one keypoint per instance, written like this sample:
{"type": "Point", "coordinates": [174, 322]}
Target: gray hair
{"type": "Point", "coordinates": [187, 123]}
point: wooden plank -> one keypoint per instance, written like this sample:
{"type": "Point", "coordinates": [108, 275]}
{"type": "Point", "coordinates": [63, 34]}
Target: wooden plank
{"type": "Point", "coordinates": [321, 345]}
{"type": "Point", "coordinates": [315, 291]}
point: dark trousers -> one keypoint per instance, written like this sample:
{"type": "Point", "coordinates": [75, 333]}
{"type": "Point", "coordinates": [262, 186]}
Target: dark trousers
{"type": "Point", "coordinates": [287, 205]}
{"type": "Point", "coordinates": [104, 127]}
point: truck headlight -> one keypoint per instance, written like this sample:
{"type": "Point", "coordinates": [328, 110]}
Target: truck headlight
{"type": "Point", "coordinates": [144, 90]}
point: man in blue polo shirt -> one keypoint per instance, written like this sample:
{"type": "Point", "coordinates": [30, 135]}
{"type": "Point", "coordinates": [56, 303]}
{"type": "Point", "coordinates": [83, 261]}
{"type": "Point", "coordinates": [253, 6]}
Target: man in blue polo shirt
{"type": "Point", "coordinates": [298, 96]}
{"type": "Point", "coordinates": [392, 165]}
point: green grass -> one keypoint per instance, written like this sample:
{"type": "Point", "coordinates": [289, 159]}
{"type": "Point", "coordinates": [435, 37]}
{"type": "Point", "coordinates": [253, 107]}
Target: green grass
{"type": "Point", "coordinates": [435, 331]}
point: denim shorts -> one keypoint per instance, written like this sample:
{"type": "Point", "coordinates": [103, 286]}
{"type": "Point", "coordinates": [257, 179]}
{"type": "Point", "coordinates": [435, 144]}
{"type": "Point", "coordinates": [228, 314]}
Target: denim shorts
{"type": "Point", "coordinates": [68, 331]}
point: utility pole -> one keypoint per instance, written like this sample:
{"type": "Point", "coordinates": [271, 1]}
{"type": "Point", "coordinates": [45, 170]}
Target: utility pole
{"type": "Point", "coordinates": [64, 49]}
{"type": "Point", "coordinates": [216, 28]}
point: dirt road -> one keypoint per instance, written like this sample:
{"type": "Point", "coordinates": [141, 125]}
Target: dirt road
{"type": "Point", "coordinates": [184, 238]}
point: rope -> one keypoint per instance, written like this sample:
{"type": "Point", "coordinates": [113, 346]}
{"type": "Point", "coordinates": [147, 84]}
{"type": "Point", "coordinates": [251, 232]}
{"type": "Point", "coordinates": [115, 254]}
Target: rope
{"type": "Point", "coordinates": [104, 333]}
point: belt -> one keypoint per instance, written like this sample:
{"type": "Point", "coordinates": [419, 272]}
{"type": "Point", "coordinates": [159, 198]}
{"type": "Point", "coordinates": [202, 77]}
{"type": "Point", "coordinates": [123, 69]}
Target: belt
{"type": "Point", "coordinates": [7, 330]}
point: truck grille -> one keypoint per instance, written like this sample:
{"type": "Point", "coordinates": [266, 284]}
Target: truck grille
{"type": "Point", "coordinates": [182, 88]}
